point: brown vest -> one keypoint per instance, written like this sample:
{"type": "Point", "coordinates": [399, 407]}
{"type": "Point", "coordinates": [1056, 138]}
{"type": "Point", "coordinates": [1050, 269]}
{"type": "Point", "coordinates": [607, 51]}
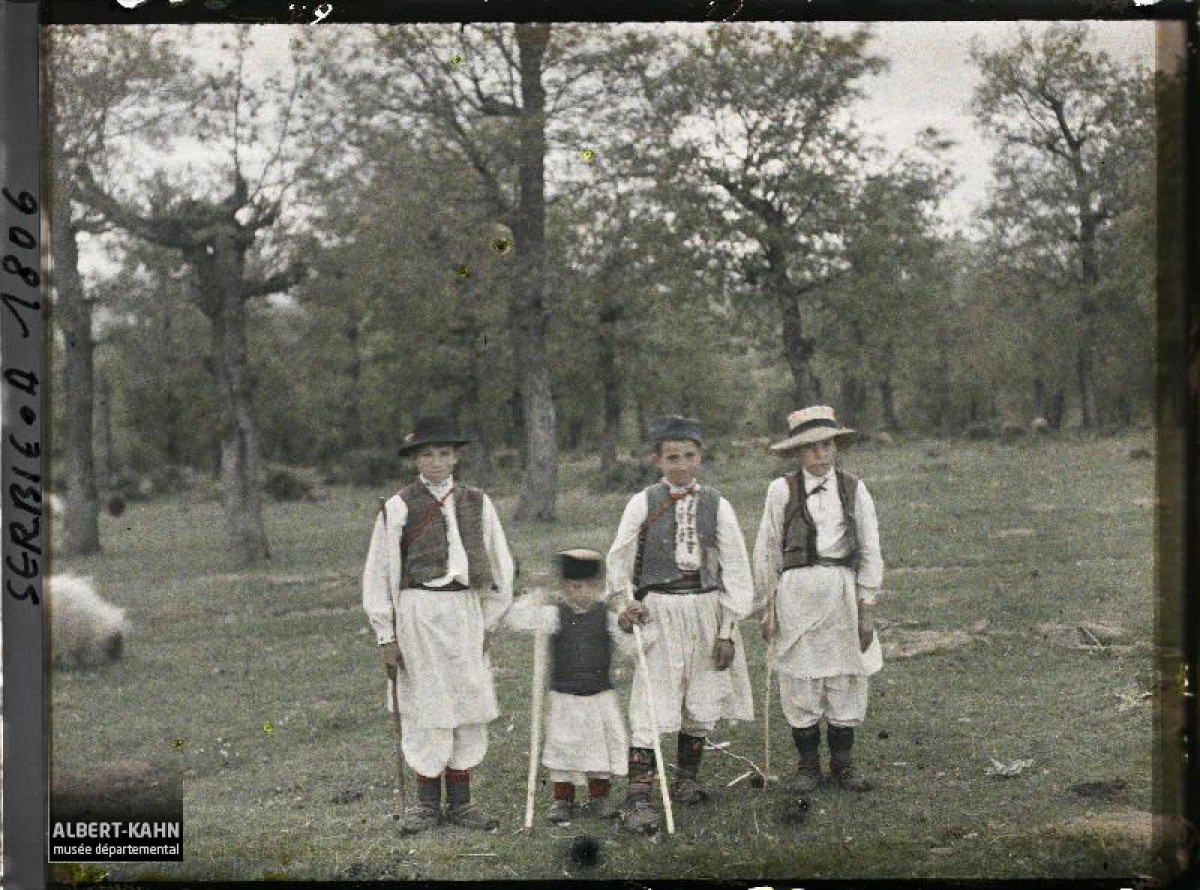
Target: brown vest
{"type": "Point", "coordinates": [799, 530]}
{"type": "Point", "coordinates": [424, 548]}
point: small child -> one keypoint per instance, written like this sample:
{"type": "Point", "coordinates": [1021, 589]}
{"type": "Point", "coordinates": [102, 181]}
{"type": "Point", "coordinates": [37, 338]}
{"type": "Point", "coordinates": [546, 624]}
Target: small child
{"type": "Point", "coordinates": [585, 733]}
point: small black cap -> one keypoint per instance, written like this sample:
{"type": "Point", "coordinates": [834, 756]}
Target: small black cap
{"type": "Point", "coordinates": [580, 563]}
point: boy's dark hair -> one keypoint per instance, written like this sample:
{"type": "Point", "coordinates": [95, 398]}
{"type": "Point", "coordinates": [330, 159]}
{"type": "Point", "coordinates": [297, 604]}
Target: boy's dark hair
{"type": "Point", "coordinates": [657, 447]}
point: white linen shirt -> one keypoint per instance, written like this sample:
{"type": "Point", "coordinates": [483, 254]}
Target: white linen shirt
{"type": "Point", "coordinates": [737, 584]}
{"type": "Point", "coordinates": [382, 573]}
{"type": "Point", "coordinates": [825, 507]}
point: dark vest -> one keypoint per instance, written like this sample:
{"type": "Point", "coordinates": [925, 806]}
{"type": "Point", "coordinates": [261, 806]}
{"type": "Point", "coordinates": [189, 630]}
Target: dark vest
{"type": "Point", "coordinates": [581, 651]}
{"type": "Point", "coordinates": [424, 548]}
{"type": "Point", "coordinates": [799, 530]}
{"type": "Point", "coordinates": [658, 547]}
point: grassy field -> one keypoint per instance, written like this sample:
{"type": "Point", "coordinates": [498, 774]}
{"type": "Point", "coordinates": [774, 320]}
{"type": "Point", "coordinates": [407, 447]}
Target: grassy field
{"type": "Point", "coordinates": [996, 555]}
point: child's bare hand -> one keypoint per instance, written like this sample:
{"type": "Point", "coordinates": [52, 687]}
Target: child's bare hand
{"type": "Point", "coordinates": [866, 625]}
{"type": "Point", "coordinates": [389, 654]}
{"type": "Point", "coordinates": [723, 653]}
{"type": "Point", "coordinates": [633, 613]}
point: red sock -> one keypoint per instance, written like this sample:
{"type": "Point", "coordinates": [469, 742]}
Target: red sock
{"type": "Point", "coordinates": [597, 787]}
{"type": "Point", "coordinates": [563, 791]}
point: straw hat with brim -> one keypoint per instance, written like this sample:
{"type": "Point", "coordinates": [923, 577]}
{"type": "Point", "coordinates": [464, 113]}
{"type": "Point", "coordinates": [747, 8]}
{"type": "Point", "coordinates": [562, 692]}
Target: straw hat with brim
{"type": "Point", "coordinates": [815, 424]}
{"type": "Point", "coordinates": [435, 430]}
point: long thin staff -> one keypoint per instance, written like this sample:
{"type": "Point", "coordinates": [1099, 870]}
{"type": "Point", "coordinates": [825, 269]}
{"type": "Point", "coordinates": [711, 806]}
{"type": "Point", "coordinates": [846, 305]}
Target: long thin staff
{"type": "Point", "coordinates": [658, 756]}
{"type": "Point", "coordinates": [767, 698]}
{"type": "Point", "coordinates": [394, 682]}
{"type": "Point", "coordinates": [395, 678]}
{"type": "Point", "coordinates": [535, 726]}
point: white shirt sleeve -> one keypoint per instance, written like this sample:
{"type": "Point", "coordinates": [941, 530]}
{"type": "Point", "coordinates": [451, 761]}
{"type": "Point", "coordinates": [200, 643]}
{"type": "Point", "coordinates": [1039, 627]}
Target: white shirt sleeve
{"type": "Point", "coordinates": [737, 584]}
{"type": "Point", "coordinates": [768, 546]}
{"type": "Point", "coordinates": [381, 574]}
{"type": "Point", "coordinates": [870, 568]}
{"type": "Point", "coordinates": [623, 552]}
{"type": "Point", "coordinates": [495, 601]}
{"type": "Point", "coordinates": [531, 613]}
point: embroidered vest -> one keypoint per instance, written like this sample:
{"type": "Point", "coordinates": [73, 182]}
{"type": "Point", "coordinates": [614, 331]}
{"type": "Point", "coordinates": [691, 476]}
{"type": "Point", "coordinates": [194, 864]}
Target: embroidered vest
{"type": "Point", "coordinates": [424, 548]}
{"type": "Point", "coordinates": [799, 530]}
{"type": "Point", "coordinates": [581, 651]}
{"type": "Point", "coordinates": [657, 548]}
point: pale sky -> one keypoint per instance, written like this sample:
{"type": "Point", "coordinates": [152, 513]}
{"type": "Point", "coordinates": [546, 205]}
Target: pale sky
{"type": "Point", "coordinates": [928, 84]}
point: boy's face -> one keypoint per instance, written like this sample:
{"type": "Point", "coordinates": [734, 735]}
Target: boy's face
{"type": "Point", "coordinates": [679, 461]}
{"type": "Point", "coordinates": [436, 462]}
{"type": "Point", "coordinates": [818, 457]}
{"type": "Point", "coordinates": [583, 591]}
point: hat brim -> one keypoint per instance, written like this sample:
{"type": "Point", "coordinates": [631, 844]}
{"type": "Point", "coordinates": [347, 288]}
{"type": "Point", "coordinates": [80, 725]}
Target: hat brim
{"type": "Point", "coordinates": [844, 437]}
{"type": "Point", "coordinates": [409, 447]}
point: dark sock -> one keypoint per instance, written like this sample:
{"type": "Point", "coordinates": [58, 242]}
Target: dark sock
{"type": "Point", "coordinates": [641, 772]}
{"type": "Point", "coordinates": [691, 749]}
{"type": "Point", "coordinates": [597, 788]}
{"type": "Point", "coordinates": [429, 790]}
{"type": "Point", "coordinates": [458, 788]}
{"type": "Point", "coordinates": [840, 738]}
{"type": "Point", "coordinates": [563, 791]}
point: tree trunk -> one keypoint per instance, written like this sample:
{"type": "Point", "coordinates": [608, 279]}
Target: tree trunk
{"type": "Point", "coordinates": [81, 520]}
{"type": "Point", "coordinates": [1085, 380]}
{"type": "Point", "coordinates": [1039, 398]}
{"type": "Point", "coordinates": [104, 399]}
{"type": "Point", "coordinates": [609, 372]}
{"type": "Point", "coordinates": [797, 348]}
{"type": "Point", "coordinates": [540, 482]}
{"type": "Point", "coordinates": [239, 433]}
{"type": "Point", "coordinates": [479, 453]}
{"type": "Point", "coordinates": [352, 418]}
{"type": "Point", "coordinates": [887, 391]}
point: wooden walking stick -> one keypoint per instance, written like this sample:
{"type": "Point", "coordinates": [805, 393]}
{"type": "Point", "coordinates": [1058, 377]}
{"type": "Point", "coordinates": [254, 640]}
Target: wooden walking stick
{"type": "Point", "coordinates": [395, 678]}
{"type": "Point", "coordinates": [540, 640]}
{"type": "Point", "coordinates": [394, 682]}
{"type": "Point", "coordinates": [771, 629]}
{"type": "Point", "coordinates": [658, 756]}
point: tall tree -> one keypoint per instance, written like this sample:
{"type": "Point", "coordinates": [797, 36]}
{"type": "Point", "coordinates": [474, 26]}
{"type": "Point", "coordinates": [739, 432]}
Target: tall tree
{"type": "Point", "coordinates": [1072, 125]}
{"type": "Point", "coordinates": [215, 232]}
{"type": "Point", "coordinates": [98, 84]}
{"type": "Point", "coordinates": [751, 133]}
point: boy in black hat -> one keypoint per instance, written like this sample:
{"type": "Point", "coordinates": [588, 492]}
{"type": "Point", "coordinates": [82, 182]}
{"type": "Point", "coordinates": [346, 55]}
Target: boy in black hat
{"type": "Point", "coordinates": [680, 547]}
{"type": "Point", "coordinates": [585, 732]}
{"type": "Point", "coordinates": [438, 579]}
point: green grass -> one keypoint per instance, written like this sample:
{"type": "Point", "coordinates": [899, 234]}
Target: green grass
{"type": "Point", "coordinates": [1014, 536]}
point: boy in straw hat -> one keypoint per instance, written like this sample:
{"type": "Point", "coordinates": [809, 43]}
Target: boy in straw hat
{"type": "Point", "coordinates": [438, 579]}
{"type": "Point", "coordinates": [680, 547]}
{"type": "Point", "coordinates": [817, 556]}
{"type": "Point", "coordinates": [586, 741]}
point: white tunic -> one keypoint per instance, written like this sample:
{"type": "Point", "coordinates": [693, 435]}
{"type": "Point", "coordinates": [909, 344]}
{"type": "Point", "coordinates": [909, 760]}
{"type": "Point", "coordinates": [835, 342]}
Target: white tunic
{"type": "Point", "coordinates": [817, 606]}
{"type": "Point", "coordinates": [583, 733]}
{"type": "Point", "coordinates": [446, 680]}
{"type": "Point", "coordinates": [683, 628]}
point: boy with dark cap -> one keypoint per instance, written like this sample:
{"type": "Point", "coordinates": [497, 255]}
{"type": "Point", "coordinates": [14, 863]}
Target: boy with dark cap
{"type": "Point", "coordinates": [438, 579]}
{"type": "Point", "coordinates": [680, 547]}
{"type": "Point", "coordinates": [817, 558]}
{"type": "Point", "coordinates": [585, 732]}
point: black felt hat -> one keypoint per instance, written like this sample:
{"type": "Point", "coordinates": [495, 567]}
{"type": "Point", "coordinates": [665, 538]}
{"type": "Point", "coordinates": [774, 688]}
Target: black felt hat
{"type": "Point", "coordinates": [434, 430]}
{"type": "Point", "coordinates": [578, 564]}
{"type": "Point", "coordinates": [674, 428]}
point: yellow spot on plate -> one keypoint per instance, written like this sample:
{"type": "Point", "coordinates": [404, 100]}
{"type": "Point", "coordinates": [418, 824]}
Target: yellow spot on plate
{"type": "Point", "coordinates": [268, 727]}
{"type": "Point", "coordinates": [501, 246]}
{"type": "Point", "coordinates": [587, 155]}
{"type": "Point", "coordinates": [178, 744]}
{"type": "Point", "coordinates": [462, 272]}
{"type": "Point", "coordinates": [456, 59]}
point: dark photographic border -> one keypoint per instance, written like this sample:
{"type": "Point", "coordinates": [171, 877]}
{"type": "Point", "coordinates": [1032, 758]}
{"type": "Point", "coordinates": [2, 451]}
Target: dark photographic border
{"type": "Point", "coordinates": [26, 190]}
